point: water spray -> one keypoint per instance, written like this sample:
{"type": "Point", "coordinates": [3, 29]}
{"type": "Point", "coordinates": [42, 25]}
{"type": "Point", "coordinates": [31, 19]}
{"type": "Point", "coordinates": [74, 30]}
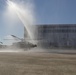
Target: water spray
{"type": "Point", "coordinates": [23, 16]}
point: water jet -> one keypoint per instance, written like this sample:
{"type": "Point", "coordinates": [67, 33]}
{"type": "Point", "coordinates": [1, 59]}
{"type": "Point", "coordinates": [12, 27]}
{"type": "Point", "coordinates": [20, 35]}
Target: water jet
{"type": "Point", "coordinates": [25, 16]}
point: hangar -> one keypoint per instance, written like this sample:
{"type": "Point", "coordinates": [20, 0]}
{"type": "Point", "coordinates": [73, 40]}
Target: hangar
{"type": "Point", "coordinates": [54, 35]}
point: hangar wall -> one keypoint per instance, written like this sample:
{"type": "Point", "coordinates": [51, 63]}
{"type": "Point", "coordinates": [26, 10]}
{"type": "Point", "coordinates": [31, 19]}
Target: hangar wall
{"type": "Point", "coordinates": [56, 35]}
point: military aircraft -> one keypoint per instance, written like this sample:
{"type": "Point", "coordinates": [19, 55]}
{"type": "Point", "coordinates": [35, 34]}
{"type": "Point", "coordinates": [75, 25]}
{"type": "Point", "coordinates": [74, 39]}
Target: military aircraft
{"type": "Point", "coordinates": [23, 43]}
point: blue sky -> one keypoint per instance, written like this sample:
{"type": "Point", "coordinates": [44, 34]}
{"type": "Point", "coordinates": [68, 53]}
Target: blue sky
{"type": "Point", "coordinates": [47, 12]}
{"type": "Point", "coordinates": [56, 11]}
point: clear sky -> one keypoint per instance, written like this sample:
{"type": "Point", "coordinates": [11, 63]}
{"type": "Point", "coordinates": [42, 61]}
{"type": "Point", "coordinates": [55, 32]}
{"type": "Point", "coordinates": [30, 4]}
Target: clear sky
{"type": "Point", "coordinates": [47, 12]}
{"type": "Point", "coordinates": [56, 11]}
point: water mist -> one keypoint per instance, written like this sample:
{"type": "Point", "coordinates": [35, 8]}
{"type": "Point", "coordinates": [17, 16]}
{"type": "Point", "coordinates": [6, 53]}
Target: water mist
{"type": "Point", "coordinates": [26, 15]}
